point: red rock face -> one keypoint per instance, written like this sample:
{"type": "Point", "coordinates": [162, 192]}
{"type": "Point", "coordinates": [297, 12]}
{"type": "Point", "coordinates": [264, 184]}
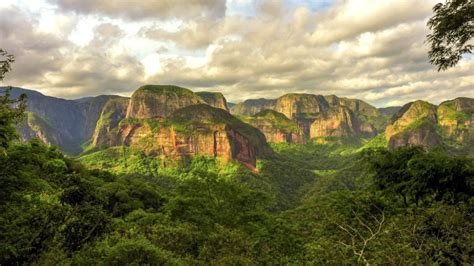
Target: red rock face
{"type": "Point", "coordinates": [217, 140]}
{"type": "Point", "coordinates": [160, 103]}
{"type": "Point", "coordinates": [423, 136]}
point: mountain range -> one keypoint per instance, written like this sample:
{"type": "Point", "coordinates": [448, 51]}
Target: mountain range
{"type": "Point", "coordinates": [171, 122]}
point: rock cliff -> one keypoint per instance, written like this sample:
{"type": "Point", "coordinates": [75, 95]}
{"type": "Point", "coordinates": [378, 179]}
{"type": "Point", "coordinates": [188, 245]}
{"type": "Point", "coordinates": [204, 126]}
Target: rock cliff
{"type": "Point", "coordinates": [252, 106]}
{"type": "Point", "coordinates": [70, 122]}
{"type": "Point", "coordinates": [277, 127]}
{"type": "Point", "coordinates": [214, 99]}
{"type": "Point", "coordinates": [152, 101]}
{"type": "Point", "coordinates": [113, 112]}
{"type": "Point", "coordinates": [456, 120]}
{"type": "Point", "coordinates": [296, 106]}
{"type": "Point", "coordinates": [193, 130]}
{"type": "Point", "coordinates": [414, 124]}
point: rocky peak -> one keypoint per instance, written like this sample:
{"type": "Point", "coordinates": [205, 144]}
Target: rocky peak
{"type": "Point", "coordinates": [338, 121]}
{"type": "Point", "coordinates": [414, 124]}
{"type": "Point", "coordinates": [252, 106]}
{"type": "Point", "coordinates": [277, 127]}
{"type": "Point", "coordinates": [151, 101]}
{"type": "Point", "coordinates": [193, 130]}
{"type": "Point", "coordinates": [293, 105]}
{"type": "Point", "coordinates": [456, 119]}
{"type": "Point", "coordinates": [214, 99]}
{"type": "Point", "coordinates": [113, 112]}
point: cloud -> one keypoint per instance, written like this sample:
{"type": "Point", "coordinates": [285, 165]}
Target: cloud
{"type": "Point", "coordinates": [367, 49]}
{"type": "Point", "coordinates": [150, 9]}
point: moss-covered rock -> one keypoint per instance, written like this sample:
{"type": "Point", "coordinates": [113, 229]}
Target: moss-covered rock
{"type": "Point", "coordinates": [276, 127]}
{"type": "Point", "coordinates": [151, 101]}
{"type": "Point", "coordinates": [214, 99]}
{"type": "Point", "coordinates": [252, 106]}
{"type": "Point", "coordinates": [415, 125]}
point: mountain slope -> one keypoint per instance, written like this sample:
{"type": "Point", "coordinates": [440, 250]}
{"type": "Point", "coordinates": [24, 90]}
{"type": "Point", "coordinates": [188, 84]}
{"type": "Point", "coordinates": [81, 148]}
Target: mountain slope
{"type": "Point", "coordinates": [214, 99]}
{"type": "Point", "coordinates": [276, 127]}
{"type": "Point", "coordinates": [252, 106]}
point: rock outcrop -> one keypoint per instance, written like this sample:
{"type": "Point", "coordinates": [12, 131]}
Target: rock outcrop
{"type": "Point", "coordinates": [252, 106]}
{"type": "Point", "coordinates": [70, 122]}
{"type": "Point", "coordinates": [296, 106]}
{"type": "Point", "coordinates": [414, 125]}
{"type": "Point", "coordinates": [113, 112]}
{"type": "Point", "coordinates": [339, 121]}
{"type": "Point", "coordinates": [276, 127]}
{"type": "Point", "coordinates": [456, 120]}
{"type": "Point", "coordinates": [155, 101]}
{"type": "Point", "coordinates": [214, 99]}
{"type": "Point", "coordinates": [34, 127]}
{"type": "Point", "coordinates": [193, 130]}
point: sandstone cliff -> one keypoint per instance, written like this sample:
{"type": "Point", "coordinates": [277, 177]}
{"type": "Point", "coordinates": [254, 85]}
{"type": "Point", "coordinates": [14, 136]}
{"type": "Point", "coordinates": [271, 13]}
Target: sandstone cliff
{"type": "Point", "coordinates": [339, 121]}
{"type": "Point", "coordinates": [252, 106]}
{"type": "Point", "coordinates": [301, 105]}
{"type": "Point", "coordinates": [277, 127]}
{"type": "Point", "coordinates": [456, 120]}
{"type": "Point", "coordinates": [214, 99]}
{"type": "Point", "coordinates": [193, 130]}
{"type": "Point", "coordinates": [414, 124]}
{"type": "Point", "coordinates": [113, 112]}
{"type": "Point", "coordinates": [151, 101]}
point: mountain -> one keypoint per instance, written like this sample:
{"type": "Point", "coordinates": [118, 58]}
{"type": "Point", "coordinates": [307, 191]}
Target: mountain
{"type": "Point", "coordinates": [214, 99]}
{"type": "Point", "coordinates": [174, 123]}
{"type": "Point", "coordinates": [66, 123]}
{"type": "Point", "coordinates": [414, 125]}
{"type": "Point", "coordinates": [155, 101]}
{"type": "Point", "coordinates": [147, 121]}
{"type": "Point", "coordinates": [330, 116]}
{"type": "Point", "coordinates": [276, 127]}
{"type": "Point", "coordinates": [113, 112]}
{"type": "Point", "coordinates": [252, 106]}
{"type": "Point", "coordinates": [389, 111]}
{"type": "Point", "coordinates": [339, 121]}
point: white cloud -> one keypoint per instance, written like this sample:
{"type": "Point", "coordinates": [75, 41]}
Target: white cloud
{"type": "Point", "coordinates": [369, 49]}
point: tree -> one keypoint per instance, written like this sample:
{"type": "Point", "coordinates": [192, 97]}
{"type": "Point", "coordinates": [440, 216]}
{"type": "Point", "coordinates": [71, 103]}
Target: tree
{"type": "Point", "coordinates": [453, 28]}
{"type": "Point", "coordinates": [11, 110]}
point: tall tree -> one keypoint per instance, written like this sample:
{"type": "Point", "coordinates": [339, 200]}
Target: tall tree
{"type": "Point", "coordinates": [11, 110]}
{"type": "Point", "coordinates": [452, 28]}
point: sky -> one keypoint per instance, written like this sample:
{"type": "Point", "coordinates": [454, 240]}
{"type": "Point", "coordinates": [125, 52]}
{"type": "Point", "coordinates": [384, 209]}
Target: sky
{"type": "Point", "coordinates": [373, 50]}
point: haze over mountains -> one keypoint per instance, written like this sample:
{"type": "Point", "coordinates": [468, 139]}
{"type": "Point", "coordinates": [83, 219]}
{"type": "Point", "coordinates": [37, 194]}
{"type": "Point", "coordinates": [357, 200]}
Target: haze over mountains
{"type": "Point", "coordinates": [175, 123]}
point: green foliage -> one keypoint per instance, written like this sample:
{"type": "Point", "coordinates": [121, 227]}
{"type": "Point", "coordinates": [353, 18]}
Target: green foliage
{"type": "Point", "coordinates": [420, 177]}
{"type": "Point", "coordinates": [452, 26]}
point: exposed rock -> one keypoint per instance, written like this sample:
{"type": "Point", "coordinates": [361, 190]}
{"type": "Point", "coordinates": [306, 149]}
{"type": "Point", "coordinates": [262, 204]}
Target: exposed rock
{"type": "Point", "coordinates": [456, 119]}
{"type": "Point", "coordinates": [368, 115]}
{"type": "Point", "coordinates": [72, 120]}
{"type": "Point", "coordinates": [414, 124]}
{"type": "Point", "coordinates": [252, 106]}
{"type": "Point", "coordinates": [193, 130]}
{"type": "Point", "coordinates": [151, 101]}
{"type": "Point", "coordinates": [214, 99]}
{"type": "Point", "coordinates": [113, 112]}
{"type": "Point", "coordinates": [277, 127]}
{"type": "Point", "coordinates": [304, 106]}
{"type": "Point", "coordinates": [423, 135]}
{"type": "Point", "coordinates": [35, 127]}
{"type": "Point", "coordinates": [338, 121]}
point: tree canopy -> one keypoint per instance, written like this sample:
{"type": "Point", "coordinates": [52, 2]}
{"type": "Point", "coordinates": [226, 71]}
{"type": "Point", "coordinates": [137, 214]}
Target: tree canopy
{"type": "Point", "coordinates": [452, 28]}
